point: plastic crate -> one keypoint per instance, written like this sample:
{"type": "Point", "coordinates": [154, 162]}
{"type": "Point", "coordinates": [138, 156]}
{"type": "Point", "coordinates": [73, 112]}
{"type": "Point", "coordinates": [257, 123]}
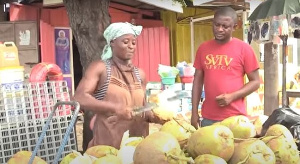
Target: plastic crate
{"type": "Point", "coordinates": [29, 108]}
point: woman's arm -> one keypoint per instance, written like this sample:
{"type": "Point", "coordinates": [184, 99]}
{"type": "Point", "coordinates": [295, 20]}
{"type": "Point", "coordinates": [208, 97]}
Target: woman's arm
{"type": "Point", "coordinates": [87, 86]}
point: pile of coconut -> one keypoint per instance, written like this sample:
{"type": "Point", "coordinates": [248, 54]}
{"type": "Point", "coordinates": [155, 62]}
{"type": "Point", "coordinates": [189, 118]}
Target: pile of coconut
{"type": "Point", "coordinates": [234, 141]}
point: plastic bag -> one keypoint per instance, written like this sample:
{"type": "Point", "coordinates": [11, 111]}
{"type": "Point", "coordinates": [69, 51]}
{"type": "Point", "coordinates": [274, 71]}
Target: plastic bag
{"type": "Point", "coordinates": [295, 130]}
{"type": "Point", "coordinates": [286, 117]}
{"type": "Point", "coordinates": [185, 69]}
{"type": "Point", "coordinates": [167, 71]}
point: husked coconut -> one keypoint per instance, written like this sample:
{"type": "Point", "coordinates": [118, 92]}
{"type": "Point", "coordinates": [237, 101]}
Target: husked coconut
{"type": "Point", "coordinates": [284, 149]}
{"type": "Point", "coordinates": [23, 157]}
{"type": "Point", "coordinates": [279, 130]}
{"type": "Point", "coordinates": [258, 123]}
{"type": "Point", "coordinates": [130, 141]}
{"type": "Point", "coordinates": [181, 130]}
{"type": "Point", "coordinates": [209, 159]}
{"type": "Point", "coordinates": [108, 159]}
{"type": "Point", "coordinates": [240, 126]}
{"type": "Point", "coordinates": [83, 159]}
{"type": "Point", "coordinates": [159, 148]}
{"type": "Point", "coordinates": [215, 139]}
{"type": "Point", "coordinates": [101, 150]}
{"type": "Point", "coordinates": [252, 151]}
{"type": "Point", "coordinates": [166, 110]}
{"type": "Point", "coordinates": [126, 153]}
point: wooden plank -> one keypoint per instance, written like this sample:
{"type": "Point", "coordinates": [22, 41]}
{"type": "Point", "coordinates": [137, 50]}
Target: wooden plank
{"type": "Point", "coordinates": [152, 54]}
{"type": "Point", "coordinates": [165, 49]}
{"type": "Point", "coordinates": [144, 56]}
{"type": "Point", "coordinates": [157, 53]}
{"type": "Point", "coordinates": [47, 43]}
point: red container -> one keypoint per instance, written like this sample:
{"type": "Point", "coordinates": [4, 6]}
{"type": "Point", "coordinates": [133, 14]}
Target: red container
{"type": "Point", "coordinates": [187, 79]}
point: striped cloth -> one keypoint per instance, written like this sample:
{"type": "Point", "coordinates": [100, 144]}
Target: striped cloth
{"type": "Point", "coordinates": [100, 93]}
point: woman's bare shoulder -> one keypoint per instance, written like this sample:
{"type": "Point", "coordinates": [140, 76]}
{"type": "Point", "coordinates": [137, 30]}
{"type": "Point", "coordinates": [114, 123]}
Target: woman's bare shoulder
{"type": "Point", "coordinates": [97, 66]}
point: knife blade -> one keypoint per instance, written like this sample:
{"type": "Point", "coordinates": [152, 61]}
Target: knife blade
{"type": "Point", "coordinates": [179, 95]}
{"type": "Point", "coordinates": [145, 108]}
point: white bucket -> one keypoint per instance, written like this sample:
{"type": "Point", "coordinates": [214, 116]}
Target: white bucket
{"type": "Point", "coordinates": [11, 83]}
{"type": "Point", "coordinates": [11, 74]}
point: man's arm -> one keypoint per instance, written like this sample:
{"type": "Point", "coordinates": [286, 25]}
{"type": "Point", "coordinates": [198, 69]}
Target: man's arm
{"type": "Point", "coordinates": [196, 95]}
{"type": "Point", "coordinates": [247, 89]}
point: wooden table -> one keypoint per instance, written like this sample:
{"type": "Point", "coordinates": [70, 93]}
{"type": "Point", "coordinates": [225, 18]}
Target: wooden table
{"type": "Point", "coordinates": [292, 93]}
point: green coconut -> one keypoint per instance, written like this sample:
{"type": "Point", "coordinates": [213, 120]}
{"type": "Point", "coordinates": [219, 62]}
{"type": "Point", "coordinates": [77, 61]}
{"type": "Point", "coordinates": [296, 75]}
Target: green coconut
{"type": "Point", "coordinates": [101, 150]}
{"type": "Point", "coordinates": [23, 157]}
{"type": "Point", "coordinates": [161, 148]}
{"type": "Point", "coordinates": [181, 130]}
{"type": "Point", "coordinates": [215, 139]}
{"type": "Point", "coordinates": [279, 130]}
{"type": "Point", "coordinates": [108, 159]}
{"type": "Point", "coordinates": [240, 126]}
{"type": "Point", "coordinates": [70, 157]}
{"type": "Point", "coordinates": [284, 149]}
{"type": "Point", "coordinates": [209, 159]}
{"type": "Point", "coordinates": [252, 151]}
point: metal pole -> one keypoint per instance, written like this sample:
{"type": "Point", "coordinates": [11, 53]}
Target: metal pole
{"type": "Point", "coordinates": [284, 45]}
{"type": "Point", "coordinates": [245, 30]}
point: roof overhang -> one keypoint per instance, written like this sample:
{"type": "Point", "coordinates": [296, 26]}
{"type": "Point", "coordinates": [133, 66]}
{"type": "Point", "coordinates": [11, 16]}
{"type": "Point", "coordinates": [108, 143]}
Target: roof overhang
{"type": "Point", "coordinates": [213, 4]}
{"type": "Point", "coordinates": [165, 4]}
{"type": "Point", "coordinates": [153, 5]}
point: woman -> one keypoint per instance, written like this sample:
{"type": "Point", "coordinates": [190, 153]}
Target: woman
{"type": "Point", "coordinates": [113, 86]}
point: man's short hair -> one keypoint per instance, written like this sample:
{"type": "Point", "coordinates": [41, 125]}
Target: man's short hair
{"type": "Point", "coordinates": [226, 11]}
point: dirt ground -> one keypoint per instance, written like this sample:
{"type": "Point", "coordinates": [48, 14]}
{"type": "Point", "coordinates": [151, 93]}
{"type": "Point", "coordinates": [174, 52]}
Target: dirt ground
{"type": "Point", "coordinates": [153, 128]}
{"type": "Point", "coordinates": [79, 134]}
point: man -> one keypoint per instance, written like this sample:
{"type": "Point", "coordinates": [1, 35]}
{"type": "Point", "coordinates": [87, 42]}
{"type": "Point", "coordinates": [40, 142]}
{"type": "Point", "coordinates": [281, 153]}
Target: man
{"type": "Point", "coordinates": [220, 65]}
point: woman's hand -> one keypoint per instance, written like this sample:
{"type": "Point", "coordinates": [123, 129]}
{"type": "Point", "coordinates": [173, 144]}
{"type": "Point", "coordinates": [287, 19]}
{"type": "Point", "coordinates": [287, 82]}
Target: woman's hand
{"type": "Point", "coordinates": [123, 111]}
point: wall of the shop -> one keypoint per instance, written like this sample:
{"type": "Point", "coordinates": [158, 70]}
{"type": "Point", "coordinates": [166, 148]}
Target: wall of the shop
{"type": "Point", "coordinates": [180, 41]}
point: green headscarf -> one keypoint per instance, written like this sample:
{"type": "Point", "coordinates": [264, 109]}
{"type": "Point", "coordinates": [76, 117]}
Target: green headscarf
{"type": "Point", "coordinates": [115, 30]}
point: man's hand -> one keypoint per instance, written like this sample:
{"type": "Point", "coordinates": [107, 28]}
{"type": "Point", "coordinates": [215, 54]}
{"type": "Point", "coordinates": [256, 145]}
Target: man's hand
{"type": "Point", "coordinates": [224, 99]}
{"type": "Point", "coordinates": [195, 120]}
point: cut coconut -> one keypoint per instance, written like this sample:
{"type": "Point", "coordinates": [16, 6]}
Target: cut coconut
{"type": "Point", "coordinates": [215, 139]}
